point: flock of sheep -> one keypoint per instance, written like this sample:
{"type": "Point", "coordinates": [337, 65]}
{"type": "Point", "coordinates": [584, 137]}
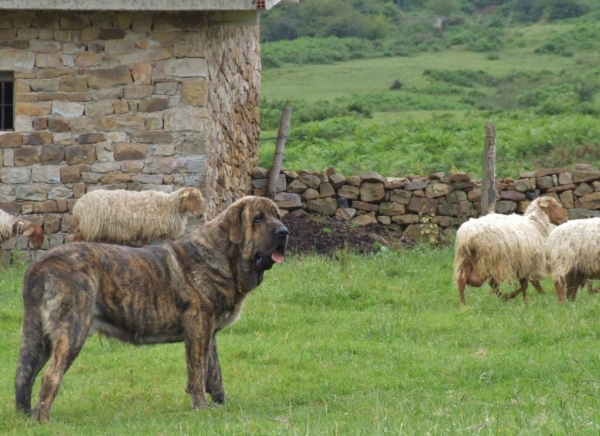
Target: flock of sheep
{"type": "Point", "coordinates": [503, 248]}
{"type": "Point", "coordinates": [494, 248]}
{"type": "Point", "coordinates": [119, 217]}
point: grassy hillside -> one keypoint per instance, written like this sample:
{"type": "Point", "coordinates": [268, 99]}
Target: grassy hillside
{"type": "Point", "coordinates": [426, 112]}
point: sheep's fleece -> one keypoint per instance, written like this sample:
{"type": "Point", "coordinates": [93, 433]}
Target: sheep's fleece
{"type": "Point", "coordinates": [122, 217]}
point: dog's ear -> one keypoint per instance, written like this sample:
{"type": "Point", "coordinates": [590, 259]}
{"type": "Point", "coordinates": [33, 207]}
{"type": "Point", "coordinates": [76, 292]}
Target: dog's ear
{"type": "Point", "coordinates": [232, 222]}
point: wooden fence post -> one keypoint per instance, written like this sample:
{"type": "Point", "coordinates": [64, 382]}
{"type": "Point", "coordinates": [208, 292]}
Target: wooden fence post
{"type": "Point", "coordinates": [488, 182]}
{"type": "Point", "coordinates": [284, 127]}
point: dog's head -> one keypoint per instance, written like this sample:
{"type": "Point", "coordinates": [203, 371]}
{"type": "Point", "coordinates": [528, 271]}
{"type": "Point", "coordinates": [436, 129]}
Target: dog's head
{"type": "Point", "coordinates": [253, 224]}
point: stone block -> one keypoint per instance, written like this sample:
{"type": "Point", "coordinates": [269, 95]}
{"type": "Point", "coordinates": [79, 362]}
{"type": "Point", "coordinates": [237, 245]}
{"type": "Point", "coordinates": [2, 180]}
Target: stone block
{"type": "Point", "coordinates": [348, 191]}
{"type": "Point", "coordinates": [35, 109]}
{"type": "Point", "coordinates": [86, 59]}
{"type": "Point", "coordinates": [109, 77]}
{"type": "Point", "coordinates": [80, 154]}
{"type": "Point", "coordinates": [370, 192]}
{"type": "Point", "coordinates": [26, 156]}
{"type": "Point", "coordinates": [47, 206]}
{"type": "Point", "coordinates": [287, 200]}
{"type": "Point", "coordinates": [435, 190]}
{"type": "Point", "coordinates": [153, 105]}
{"type": "Point", "coordinates": [52, 224]}
{"type": "Point", "coordinates": [45, 173]}
{"type": "Point", "coordinates": [195, 92]}
{"type": "Point", "coordinates": [70, 174]}
{"type": "Point", "coordinates": [125, 151]}
{"type": "Point", "coordinates": [52, 154]}
{"type": "Point", "coordinates": [423, 205]}
{"type": "Point", "coordinates": [67, 109]}
{"type": "Point", "coordinates": [91, 138]}
{"type": "Point", "coordinates": [325, 206]}
{"type": "Point", "coordinates": [31, 193]}
{"type": "Point", "coordinates": [10, 140]}
{"type": "Point", "coordinates": [184, 67]}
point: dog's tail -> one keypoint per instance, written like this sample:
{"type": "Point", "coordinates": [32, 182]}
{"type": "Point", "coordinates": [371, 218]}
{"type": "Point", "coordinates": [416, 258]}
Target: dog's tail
{"type": "Point", "coordinates": [35, 345]}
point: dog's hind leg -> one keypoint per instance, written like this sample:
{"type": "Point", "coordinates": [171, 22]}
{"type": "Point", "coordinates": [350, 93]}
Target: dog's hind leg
{"type": "Point", "coordinates": [214, 379]}
{"type": "Point", "coordinates": [33, 355]}
{"type": "Point", "coordinates": [67, 342]}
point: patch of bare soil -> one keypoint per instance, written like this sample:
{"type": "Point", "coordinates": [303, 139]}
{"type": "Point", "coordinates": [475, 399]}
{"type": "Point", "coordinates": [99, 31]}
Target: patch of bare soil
{"type": "Point", "coordinates": [325, 235]}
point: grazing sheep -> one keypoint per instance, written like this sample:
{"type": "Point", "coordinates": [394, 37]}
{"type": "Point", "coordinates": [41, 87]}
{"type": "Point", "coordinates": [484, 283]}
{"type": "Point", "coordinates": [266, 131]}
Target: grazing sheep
{"type": "Point", "coordinates": [12, 226]}
{"type": "Point", "coordinates": [122, 217]}
{"type": "Point", "coordinates": [573, 256]}
{"type": "Point", "coordinates": [498, 248]}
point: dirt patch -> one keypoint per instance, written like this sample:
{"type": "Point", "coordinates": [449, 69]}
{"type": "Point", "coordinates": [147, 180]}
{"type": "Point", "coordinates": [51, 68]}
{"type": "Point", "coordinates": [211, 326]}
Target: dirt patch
{"type": "Point", "coordinates": [325, 235]}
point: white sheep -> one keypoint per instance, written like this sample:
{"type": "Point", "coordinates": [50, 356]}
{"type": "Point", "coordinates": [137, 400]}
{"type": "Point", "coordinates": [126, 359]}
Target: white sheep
{"type": "Point", "coordinates": [573, 255]}
{"type": "Point", "coordinates": [504, 248]}
{"type": "Point", "coordinates": [12, 226]}
{"type": "Point", "coordinates": [123, 217]}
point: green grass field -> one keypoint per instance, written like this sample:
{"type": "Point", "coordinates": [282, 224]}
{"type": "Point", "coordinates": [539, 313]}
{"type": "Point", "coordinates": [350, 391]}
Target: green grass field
{"type": "Point", "coordinates": [356, 345]}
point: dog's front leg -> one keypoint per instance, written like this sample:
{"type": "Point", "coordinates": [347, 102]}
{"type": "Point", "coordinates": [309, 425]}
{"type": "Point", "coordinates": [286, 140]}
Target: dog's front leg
{"type": "Point", "coordinates": [214, 379]}
{"type": "Point", "coordinates": [197, 344]}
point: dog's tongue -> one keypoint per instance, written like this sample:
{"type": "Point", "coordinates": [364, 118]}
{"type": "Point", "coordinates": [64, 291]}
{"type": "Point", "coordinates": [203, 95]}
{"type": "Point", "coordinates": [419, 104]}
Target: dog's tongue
{"type": "Point", "coordinates": [277, 257]}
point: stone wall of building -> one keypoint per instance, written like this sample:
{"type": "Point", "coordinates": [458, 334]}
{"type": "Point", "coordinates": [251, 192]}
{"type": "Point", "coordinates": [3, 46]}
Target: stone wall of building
{"type": "Point", "coordinates": [417, 203]}
{"type": "Point", "coordinates": [125, 100]}
{"type": "Point", "coordinates": [235, 80]}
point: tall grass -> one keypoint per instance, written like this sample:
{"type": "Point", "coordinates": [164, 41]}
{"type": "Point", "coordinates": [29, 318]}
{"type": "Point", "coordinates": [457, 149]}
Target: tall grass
{"type": "Point", "coordinates": [347, 345]}
{"type": "Point", "coordinates": [439, 142]}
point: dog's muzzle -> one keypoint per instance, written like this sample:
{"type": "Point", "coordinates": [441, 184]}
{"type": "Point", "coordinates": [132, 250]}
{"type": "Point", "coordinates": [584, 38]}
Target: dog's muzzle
{"type": "Point", "coordinates": [278, 253]}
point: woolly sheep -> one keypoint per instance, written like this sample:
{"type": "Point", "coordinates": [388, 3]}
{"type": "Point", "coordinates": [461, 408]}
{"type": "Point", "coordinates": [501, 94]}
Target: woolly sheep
{"type": "Point", "coordinates": [12, 226]}
{"type": "Point", "coordinates": [498, 248]}
{"type": "Point", "coordinates": [122, 217]}
{"type": "Point", "coordinates": [573, 255]}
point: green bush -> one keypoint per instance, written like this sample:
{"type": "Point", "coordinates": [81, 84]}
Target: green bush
{"type": "Point", "coordinates": [582, 37]}
{"type": "Point", "coordinates": [468, 78]}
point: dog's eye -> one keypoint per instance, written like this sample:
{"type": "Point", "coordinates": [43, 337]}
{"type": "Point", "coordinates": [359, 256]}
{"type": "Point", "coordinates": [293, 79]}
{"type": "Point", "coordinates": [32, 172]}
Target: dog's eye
{"type": "Point", "coordinates": [259, 218]}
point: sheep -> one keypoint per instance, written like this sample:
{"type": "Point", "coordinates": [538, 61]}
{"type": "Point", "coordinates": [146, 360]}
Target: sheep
{"type": "Point", "coordinates": [123, 217]}
{"type": "Point", "coordinates": [12, 226]}
{"type": "Point", "coordinates": [573, 256]}
{"type": "Point", "coordinates": [498, 248]}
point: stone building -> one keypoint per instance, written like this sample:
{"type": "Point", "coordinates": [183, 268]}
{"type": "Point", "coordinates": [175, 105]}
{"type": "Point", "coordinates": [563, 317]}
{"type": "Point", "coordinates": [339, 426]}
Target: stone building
{"type": "Point", "coordinates": [128, 94]}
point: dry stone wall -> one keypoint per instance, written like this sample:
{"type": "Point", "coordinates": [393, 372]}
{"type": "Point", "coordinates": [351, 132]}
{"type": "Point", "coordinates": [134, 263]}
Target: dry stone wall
{"type": "Point", "coordinates": [415, 204]}
{"type": "Point", "coordinates": [128, 100]}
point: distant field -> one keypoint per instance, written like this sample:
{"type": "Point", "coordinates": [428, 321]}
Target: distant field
{"type": "Point", "coordinates": [545, 122]}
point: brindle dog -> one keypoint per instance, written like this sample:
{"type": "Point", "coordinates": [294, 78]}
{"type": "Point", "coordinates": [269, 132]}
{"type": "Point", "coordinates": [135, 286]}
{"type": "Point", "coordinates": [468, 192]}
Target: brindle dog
{"type": "Point", "coordinates": [185, 290]}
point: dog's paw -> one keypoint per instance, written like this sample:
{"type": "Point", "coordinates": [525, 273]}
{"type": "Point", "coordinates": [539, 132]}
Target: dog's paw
{"type": "Point", "coordinates": [219, 399]}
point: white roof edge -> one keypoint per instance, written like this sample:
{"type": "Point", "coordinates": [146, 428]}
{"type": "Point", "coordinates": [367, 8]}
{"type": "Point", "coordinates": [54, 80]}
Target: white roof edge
{"type": "Point", "coordinates": [142, 5]}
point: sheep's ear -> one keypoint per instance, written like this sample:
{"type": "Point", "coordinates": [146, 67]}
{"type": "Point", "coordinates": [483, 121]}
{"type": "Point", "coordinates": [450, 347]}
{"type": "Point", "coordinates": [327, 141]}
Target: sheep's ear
{"type": "Point", "coordinates": [544, 202]}
{"type": "Point", "coordinates": [185, 194]}
{"type": "Point", "coordinates": [232, 223]}
{"type": "Point", "coordinates": [29, 231]}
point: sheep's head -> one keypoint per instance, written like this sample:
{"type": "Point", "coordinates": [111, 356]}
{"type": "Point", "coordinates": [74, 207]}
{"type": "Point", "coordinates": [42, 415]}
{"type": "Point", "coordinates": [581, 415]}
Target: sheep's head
{"type": "Point", "coordinates": [192, 200]}
{"type": "Point", "coordinates": [553, 209]}
{"type": "Point", "coordinates": [35, 234]}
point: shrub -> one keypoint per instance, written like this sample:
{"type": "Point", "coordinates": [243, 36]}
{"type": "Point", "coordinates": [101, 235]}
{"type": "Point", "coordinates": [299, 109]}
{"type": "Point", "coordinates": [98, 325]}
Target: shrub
{"type": "Point", "coordinates": [396, 84]}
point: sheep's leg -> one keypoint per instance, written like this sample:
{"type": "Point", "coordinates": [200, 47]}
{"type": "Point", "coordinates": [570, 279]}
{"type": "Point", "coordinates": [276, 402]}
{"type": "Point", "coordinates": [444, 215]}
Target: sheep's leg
{"type": "Point", "coordinates": [573, 283]}
{"type": "Point", "coordinates": [462, 283]}
{"type": "Point", "coordinates": [538, 287]}
{"type": "Point", "coordinates": [591, 290]}
{"type": "Point", "coordinates": [560, 291]}
{"type": "Point", "coordinates": [496, 289]}
{"type": "Point", "coordinates": [468, 276]}
{"type": "Point", "coordinates": [144, 242]}
{"type": "Point", "coordinates": [522, 289]}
